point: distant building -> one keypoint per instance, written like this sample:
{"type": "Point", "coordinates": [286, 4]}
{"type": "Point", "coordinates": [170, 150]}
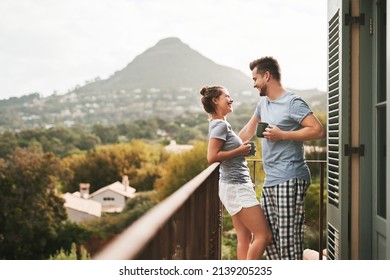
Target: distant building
{"type": "Point", "coordinates": [113, 197]}
{"type": "Point", "coordinates": [83, 206]}
{"type": "Point", "coordinates": [175, 148]}
{"type": "Point", "coordinates": [80, 209]}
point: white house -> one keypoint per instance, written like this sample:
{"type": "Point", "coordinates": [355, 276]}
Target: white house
{"type": "Point", "coordinates": [80, 209]}
{"type": "Point", "coordinates": [113, 197]}
{"type": "Point", "coordinates": [82, 206]}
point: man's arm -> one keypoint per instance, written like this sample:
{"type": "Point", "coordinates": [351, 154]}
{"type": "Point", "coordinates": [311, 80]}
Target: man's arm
{"type": "Point", "coordinates": [312, 130]}
{"type": "Point", "coordinates": [249, 129]}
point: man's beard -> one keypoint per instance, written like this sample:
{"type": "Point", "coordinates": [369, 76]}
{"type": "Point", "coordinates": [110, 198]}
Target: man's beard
{"type": "Point", "coordinates": [263, 90]}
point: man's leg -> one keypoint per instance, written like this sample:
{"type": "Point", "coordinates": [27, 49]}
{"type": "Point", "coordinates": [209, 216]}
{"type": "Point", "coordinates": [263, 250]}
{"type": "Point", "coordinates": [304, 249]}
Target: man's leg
{"type": "Point", "coordinates": [268, 203]}
{"type": "Point", "coordinates": [301, 188]}
{"type": "Point", "coordinates": [279, 204]}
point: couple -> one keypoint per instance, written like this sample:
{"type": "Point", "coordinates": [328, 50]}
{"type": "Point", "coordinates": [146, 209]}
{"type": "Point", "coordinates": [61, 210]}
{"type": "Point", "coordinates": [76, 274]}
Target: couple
{"type": "Point", "coordinates": [275, 227]}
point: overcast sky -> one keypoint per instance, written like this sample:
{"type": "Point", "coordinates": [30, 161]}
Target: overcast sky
{"type": "Point", "coordinates": [54, 45]}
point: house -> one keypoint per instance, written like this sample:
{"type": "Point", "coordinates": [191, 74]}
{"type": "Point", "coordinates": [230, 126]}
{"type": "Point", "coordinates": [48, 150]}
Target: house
{"type": "Point", "coordinates": [113, 197]}
{"type": "Point", "coordinates": [83, 206]}
{"type": "Point", "coordinates": [80, 209]}
{"type": "Point", "coordinates": [358, 199]}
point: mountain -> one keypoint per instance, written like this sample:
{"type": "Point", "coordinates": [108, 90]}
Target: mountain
{"type": "Point", "coordinates": [162, 82]}
{"type": "Point", "coordinates": [171, 64]}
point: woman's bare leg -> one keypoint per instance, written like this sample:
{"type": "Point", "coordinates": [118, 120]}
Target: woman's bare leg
{"type": "Point", "coordinates": [254, 220]}
{"type": "Point", "coordinates": [244, 237]}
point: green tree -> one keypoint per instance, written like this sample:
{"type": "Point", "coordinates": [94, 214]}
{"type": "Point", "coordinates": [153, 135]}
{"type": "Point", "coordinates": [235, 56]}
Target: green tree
{"type": "Point", "coordinates": [8, 143]}
{"type": "Point", "coordinates": [106, 164]}
{"type": "Point", "coordinates": [188, 134]}
{"type": "Point", "coordinates": [87, 141]}
{"type": "Point", "coordinates": [107, 134]}
{"type": "Point", "coordinates": [112, 224]}
{"type": "Point", "coordinates": [59, 140]}
{"type": "Point", "coordinates": [180, 168]}
{"type": "Point", "coordinates": [74, 254]}
{"type": "Point", "coordinates": [31, 214]}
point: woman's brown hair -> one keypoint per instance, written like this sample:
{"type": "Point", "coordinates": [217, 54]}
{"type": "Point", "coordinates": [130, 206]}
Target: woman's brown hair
{"type": "Point", "coordinates": [208, 94]}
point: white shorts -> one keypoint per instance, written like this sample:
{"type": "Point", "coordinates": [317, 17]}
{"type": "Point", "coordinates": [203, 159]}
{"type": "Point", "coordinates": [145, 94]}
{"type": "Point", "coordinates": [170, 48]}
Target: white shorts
{"type": "Point", "coordinates": [234, 197]}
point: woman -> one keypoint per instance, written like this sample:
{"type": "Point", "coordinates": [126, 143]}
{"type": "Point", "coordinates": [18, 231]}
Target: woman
{"type": "Point", "coordinates": [235, 186]}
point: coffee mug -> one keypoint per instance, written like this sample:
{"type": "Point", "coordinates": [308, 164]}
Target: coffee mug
{"type": "Point", "coordinates": [261, 126]}
{"type": "Point", "coordinates": [252, 151]}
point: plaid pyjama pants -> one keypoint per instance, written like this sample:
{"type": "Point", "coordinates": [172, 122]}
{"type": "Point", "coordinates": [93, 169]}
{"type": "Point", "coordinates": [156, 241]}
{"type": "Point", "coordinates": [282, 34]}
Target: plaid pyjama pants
{"type": "Point", "coordinates": [284, 209]}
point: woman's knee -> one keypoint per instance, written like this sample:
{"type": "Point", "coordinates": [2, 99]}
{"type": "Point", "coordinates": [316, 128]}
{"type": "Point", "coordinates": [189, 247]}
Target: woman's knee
{"type": "Point", "coordinates": [244, 236]}
{"type": "Point", "coordinates": [264, 235]}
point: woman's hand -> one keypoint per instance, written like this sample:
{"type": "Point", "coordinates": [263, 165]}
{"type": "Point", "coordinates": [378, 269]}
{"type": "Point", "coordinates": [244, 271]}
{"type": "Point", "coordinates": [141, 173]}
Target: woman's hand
{"type": "Point", "coordinates": [244, 149]}
{"type": "Point", "coordinates": [215, 153]}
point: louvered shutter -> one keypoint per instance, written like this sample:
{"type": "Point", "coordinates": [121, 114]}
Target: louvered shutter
{"type": "Point", "coordinates": [338, 128]}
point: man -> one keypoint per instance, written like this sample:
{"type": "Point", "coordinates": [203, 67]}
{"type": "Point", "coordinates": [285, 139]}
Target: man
{"type": "Point", "coordinates": [291, 122]}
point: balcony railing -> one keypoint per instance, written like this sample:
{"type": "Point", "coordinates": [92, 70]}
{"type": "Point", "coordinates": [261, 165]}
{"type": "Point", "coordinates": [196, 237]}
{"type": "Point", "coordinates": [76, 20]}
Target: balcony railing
{"type": "Point", "coordinates": [188, 224]}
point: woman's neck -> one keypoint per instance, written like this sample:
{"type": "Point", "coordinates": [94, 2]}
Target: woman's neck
{"type": "Point", "coordinates": [218, 117]}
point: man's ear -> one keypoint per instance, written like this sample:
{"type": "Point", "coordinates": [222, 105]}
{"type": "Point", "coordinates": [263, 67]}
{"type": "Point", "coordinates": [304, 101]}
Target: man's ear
{"type": "Point", "coordinates": [267, 76]}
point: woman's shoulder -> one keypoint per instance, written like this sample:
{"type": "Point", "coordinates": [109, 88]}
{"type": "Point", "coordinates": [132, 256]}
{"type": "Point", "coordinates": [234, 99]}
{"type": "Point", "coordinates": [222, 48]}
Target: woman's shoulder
{"type": "Point", "coordinates": [219, 125]}
{"type": "Point", "coordinates": [215, 123]}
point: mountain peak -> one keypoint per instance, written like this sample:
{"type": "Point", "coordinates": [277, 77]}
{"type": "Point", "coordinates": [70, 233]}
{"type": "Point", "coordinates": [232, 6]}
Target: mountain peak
{"type": "Point", "coordinates": [171, 64]}
{"type": "Point", "coordinates": [169, 41]}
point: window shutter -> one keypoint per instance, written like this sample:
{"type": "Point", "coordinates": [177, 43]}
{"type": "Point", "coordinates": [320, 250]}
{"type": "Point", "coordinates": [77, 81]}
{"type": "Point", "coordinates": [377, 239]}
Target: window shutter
{"type": "Point", "coordinates": [338, 129]}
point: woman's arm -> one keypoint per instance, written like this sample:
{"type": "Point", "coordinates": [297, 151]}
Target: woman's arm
{"type": "Point", "coordinates": [215, 153]}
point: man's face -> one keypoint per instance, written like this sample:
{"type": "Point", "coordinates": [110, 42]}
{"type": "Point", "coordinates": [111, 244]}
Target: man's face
{"type": "Point", "coordinates": [259, 82]}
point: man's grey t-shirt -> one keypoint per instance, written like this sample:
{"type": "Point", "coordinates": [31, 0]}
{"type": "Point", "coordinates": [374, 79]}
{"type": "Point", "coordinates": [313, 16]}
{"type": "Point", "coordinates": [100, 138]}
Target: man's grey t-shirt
{"type": "Point", "coordinates": [234, 170]}
{"type": "Point", "coordinates": [284, 159]}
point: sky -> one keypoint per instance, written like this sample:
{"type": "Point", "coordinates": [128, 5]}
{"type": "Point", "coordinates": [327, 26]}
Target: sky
{"type": "Point", "coordinates": [51, 46]}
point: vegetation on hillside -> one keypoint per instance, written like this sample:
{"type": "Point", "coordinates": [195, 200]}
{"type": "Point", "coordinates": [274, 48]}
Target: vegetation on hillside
{"type": "Point", "coordinates": [38, 165]}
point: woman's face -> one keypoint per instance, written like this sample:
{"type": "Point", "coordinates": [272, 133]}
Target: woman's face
{"type": "Point", "coordinates": [224, 103]}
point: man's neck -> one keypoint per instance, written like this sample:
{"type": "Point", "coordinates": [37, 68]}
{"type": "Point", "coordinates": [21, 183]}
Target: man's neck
{"type": "Point", "coordinates": [275, 92]}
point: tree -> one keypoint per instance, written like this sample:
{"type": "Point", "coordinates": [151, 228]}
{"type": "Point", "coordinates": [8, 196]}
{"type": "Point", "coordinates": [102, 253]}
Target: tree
{"type": "Point", "coordinates": [8, 143]}
{"type": "Point", "coordinates": [188, 134]}
{"type": "Point", "coordinates": [107, 164]}
{"type": "Point", "coordinates": [73, 254]}
{"type": "Point", "coordinates": [31, 214]}
{"type": "Point", "coordinates": [105, 229]}
{"type": "Point", "coordinates": [181, 168]}
{"type": "Point", "coordinates": [107, 134]}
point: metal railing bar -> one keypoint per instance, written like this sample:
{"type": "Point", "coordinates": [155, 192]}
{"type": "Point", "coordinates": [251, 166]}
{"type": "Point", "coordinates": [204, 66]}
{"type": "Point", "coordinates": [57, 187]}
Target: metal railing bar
{"type": "Point", "coordinates": [130, 242]}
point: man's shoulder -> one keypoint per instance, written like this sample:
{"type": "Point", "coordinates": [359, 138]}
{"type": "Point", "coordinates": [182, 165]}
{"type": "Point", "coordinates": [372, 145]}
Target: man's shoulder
{"type": "Point", "coordinates": [292, 95]}
{"type": "Point", "coordinates": [293, 98]}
